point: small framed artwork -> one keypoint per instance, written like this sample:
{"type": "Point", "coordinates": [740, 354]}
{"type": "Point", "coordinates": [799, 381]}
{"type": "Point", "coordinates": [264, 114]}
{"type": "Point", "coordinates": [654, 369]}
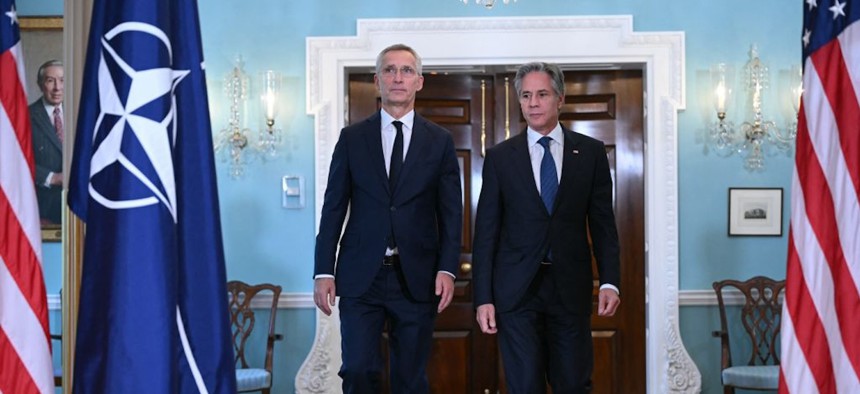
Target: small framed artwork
{"type": "Point", "coordinates": [755, 211]}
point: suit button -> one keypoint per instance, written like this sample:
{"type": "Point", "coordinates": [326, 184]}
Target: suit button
{"type": "Point", "coordinates": [392, 208]}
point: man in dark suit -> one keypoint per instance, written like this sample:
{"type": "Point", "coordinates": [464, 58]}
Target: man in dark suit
{"type": "Point", "coordinates": [46, 116]}
{"type": "Point", "coordinates": [543, 192]}
{"type": "Point", "coordinates": [397, 176]}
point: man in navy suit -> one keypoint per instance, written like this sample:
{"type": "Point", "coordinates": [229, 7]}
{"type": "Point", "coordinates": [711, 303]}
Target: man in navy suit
{"type": "Point", "coordinates": [397, 177]}
{"type": "Point", "coordinates": [543, 192]}
{"type": "Point", "coordinates": [46, 116]}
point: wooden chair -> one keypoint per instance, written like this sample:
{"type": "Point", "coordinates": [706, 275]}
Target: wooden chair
{"type": "Point", "coordinates": [760, 316]}
{"type": "Point", "coordinates": [243, 321]}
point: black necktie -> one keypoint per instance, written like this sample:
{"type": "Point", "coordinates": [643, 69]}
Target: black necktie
{"type": "Point", "coordinates": [394, 170]}
{"type": "Point", "coordinates": [396, 155]}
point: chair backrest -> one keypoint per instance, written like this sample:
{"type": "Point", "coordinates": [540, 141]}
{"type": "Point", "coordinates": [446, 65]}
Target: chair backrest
{"type": "Point", "coordinates": [760, 315]}
{"type": "Point", "coordinates": [242, 319]}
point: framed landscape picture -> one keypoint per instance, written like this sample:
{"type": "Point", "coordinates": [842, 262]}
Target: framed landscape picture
{"type": "Point", "coordinates": [755, 211]}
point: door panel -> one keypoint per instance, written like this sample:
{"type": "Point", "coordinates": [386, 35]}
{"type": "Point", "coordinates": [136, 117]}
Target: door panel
{"type": "Point", "coordinates": [607, 105]}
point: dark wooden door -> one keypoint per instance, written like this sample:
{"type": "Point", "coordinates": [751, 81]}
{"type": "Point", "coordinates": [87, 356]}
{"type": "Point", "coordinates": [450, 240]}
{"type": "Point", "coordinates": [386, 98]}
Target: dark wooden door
{"type": "Point", "coordinates": [481, 110]}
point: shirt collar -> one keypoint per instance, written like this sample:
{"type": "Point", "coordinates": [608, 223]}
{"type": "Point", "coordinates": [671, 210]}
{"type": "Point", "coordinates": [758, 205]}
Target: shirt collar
{"type": "Point", "coordinates": [556, 134]}
{"type": "Point", "coordinates": [407, 119]}
{"type": "Point", "coordinates": [50, 107]}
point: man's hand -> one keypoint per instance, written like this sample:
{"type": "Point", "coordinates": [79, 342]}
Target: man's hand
{"type": "Point", "coordinates": [487, 318]}
{"type": "Point", "coordinates": [444, 289]}
{"type": "Point", "coordinates": [57, 179]}
{"type": "Point", "coordinates": [607, 302]}
{"type": "Point", "coordinates": [324, 294]}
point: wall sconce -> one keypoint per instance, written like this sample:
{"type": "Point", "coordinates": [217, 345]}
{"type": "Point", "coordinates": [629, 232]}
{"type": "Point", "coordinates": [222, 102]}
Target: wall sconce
{"type": "Point", "coordinates": [232, 143]}
{"type": "Point", "coordinates": [756, 137]}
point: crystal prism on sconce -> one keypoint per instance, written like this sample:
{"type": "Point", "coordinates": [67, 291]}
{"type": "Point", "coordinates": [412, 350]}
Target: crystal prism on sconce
{"type": "Point", "coordinates": [756, 137]}
{"type": "Point", "coordinates": [233, 143]}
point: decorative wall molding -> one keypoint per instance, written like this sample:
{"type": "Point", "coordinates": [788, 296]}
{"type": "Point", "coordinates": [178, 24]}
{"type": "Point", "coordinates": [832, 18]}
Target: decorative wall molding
{"type": "Point", "coordinates": [580, 40]}
{"type": "Point", "coordinates": [306, 300]}
{"type": "Point", "coordinates": [262, 301]}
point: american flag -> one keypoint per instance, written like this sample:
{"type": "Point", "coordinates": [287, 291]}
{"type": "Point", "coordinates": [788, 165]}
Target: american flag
{"type": "Point", "coordinates": [25, 347]}
{"type": "Point", "coordinates": [821, 313]}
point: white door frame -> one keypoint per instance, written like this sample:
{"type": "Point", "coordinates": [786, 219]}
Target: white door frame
{"type": "Point", "coordinates": [587, 40]}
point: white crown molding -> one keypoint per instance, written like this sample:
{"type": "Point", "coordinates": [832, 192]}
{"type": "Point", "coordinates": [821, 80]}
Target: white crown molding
{"type": "Point", "coordinates": [516, 40]}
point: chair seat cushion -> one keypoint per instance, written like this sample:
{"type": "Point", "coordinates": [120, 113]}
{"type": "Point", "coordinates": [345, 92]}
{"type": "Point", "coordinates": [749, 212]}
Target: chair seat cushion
{"type": "Point", "coordinates": [752, 377]}
{"type": "Point", "coordinates": [250, 379]}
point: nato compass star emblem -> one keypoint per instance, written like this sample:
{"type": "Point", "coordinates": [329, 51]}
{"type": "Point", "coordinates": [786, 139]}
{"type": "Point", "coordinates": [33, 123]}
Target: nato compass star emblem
{"type": "Point", "coordinates": [128, 133]}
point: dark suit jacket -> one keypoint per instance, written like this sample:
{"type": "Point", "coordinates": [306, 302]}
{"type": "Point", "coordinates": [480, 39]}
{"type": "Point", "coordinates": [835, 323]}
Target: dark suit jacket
{"type": "Point", "coordinates": [48, 153]}
{"type": "Point", "coordinates": [513, 229]}
{"type": "Point", "coordinates": [425, 209]}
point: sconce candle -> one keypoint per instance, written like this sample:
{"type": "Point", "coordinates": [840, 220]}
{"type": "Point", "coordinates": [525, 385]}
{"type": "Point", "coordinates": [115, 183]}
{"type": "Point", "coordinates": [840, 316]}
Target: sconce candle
{"type": "Point", "coordinates": [722, 77]}
{"type": "Point", "coordinates": [797, 83]}
{"type": "Point", "coordinates": [721, 97]}
{"type": "Point", "coordinates": [271, 88]}
{"type": "Point", "coordinates": [269, 142]}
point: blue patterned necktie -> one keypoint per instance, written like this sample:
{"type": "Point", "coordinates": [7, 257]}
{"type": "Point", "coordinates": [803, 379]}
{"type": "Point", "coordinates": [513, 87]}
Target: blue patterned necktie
{"type": "Point", "coordinates": [548, 175]}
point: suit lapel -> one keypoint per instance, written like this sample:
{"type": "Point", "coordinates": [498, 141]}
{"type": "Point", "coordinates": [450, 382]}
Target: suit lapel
{"type": "Point", "coordinates": [373, 137]}
{"type": "Point", "coordinates": [416, 150]}
{"type": "Point", "coordinates": [570, 157]}
{"type": "Point", "coordinates": [523, 163]}
{"type": "Point", "coordinates": [47, 126]}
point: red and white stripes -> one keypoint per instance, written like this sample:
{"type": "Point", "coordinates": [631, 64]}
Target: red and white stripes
{"type": "Point", "coordinates": [821, 314]}
{"type": "Point", "coordinates": [25, 353]}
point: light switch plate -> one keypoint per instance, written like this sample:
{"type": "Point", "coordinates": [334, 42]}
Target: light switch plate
{"type": "Point", "coordinates": [293, 191]}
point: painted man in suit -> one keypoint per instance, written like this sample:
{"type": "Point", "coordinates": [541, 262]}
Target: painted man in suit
{"type": "Point", "coordinates": [543, 191]}
{"type": "Point", "coordinates": [397, 176]}
{"type": "Point", "coordinates": [46, 116]}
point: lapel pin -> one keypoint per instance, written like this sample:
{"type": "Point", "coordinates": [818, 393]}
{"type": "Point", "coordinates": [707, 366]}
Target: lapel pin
{"type": "Point", "coordinates": [576, 151]}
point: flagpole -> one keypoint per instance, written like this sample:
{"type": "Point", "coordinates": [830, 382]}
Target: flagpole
{"type": "Point", "coordinates": [76, 17]}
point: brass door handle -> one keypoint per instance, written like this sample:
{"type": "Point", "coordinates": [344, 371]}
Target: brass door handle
{"type": "Point", "coordinates": [466, 267]}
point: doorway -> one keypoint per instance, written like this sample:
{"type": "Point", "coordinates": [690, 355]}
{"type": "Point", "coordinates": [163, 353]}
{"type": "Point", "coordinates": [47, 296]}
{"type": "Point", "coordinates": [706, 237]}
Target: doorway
{"type": "Point", "coordinates": [473, 42]}
{"type": "Point", "coordinates": [480, 108]}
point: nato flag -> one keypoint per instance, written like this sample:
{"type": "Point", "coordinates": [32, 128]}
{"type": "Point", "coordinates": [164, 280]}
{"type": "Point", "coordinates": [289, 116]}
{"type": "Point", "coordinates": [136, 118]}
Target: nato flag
{"type": "Point", "coordinates": [153, 304]}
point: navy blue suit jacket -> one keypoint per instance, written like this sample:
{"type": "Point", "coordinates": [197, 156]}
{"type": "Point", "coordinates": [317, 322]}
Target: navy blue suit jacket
{"type": "Point", "coordinates": [48, 154]}
{"type": "Point", "coordinates": [513, 229]}
{"type": "Point", "coordinates": [425, 209]}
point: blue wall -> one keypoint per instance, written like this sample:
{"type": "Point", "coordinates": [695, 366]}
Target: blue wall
{"type": "Point", "coordinates": [266, 243]}
{"type": "Point", "coordinates": [258, 232]}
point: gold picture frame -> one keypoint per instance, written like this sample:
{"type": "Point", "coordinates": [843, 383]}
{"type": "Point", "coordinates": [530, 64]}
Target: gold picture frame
{"type": "Point", "coordinates": [41, 40]}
